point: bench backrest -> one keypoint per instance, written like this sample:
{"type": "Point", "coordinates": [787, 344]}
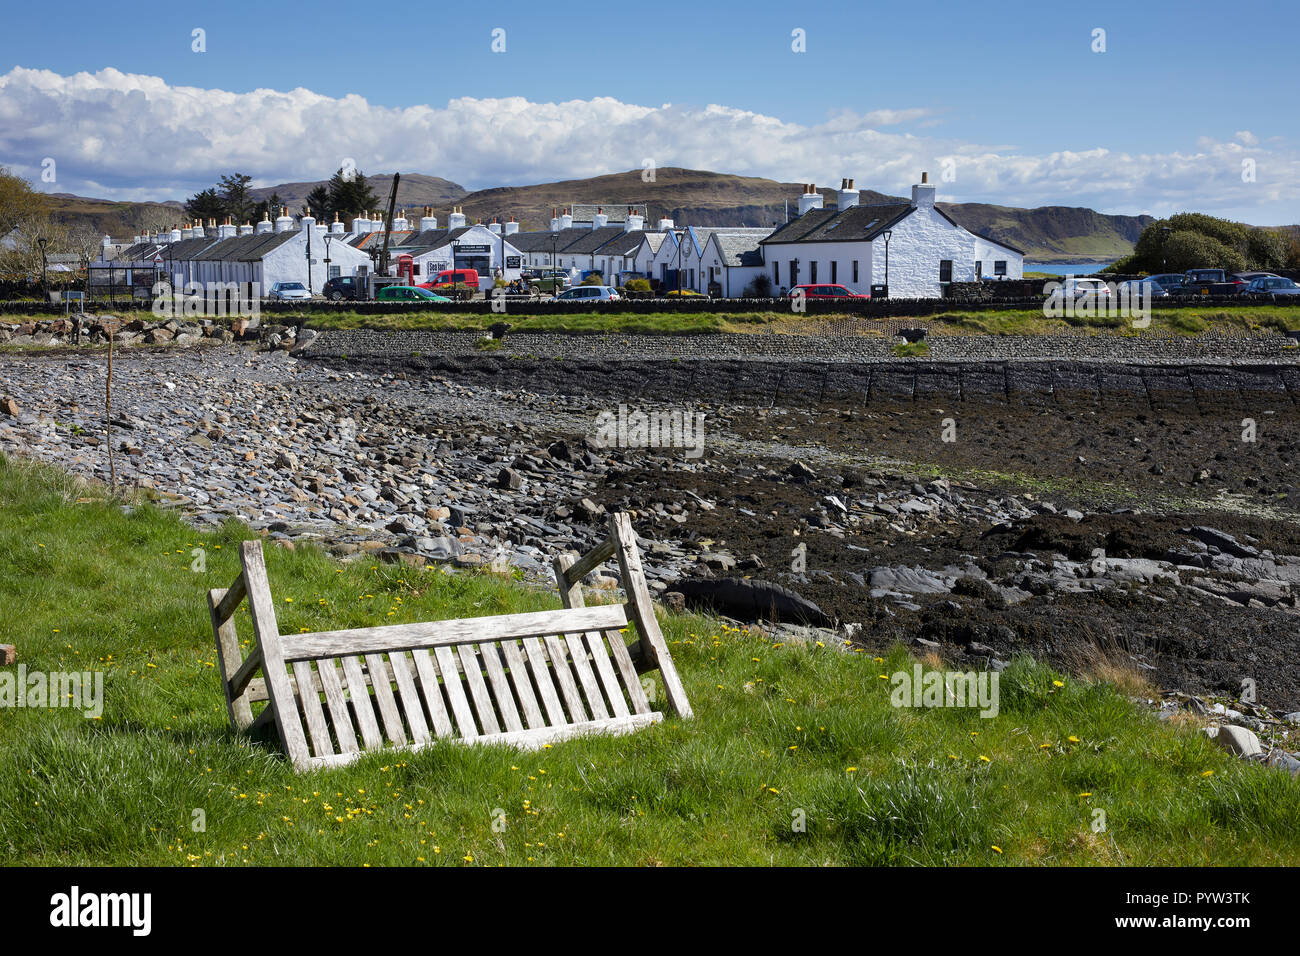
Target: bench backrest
{"type": "Point", "coordinates": [520, 679]}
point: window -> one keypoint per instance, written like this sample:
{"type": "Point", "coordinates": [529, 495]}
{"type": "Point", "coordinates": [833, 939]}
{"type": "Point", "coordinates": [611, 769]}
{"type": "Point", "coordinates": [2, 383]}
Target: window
{"type": "Point", "coordinates": [979, 269]}
{"type": "Point", "coordinates": [794, 272]}
{"type": "Point", "coordinates": [999, 267]}
{"type": "Point", "coordinates": [834, 270]}
{"type": "Point", "coordinates": [776, 273]}
{"type": "Point", "coordinates": [335, 272]}
{"type": "Point", "coordinates": [812, 271]}
{"type": "Point", "coordinates": [945, 270]}
{"type": "Point", "coordinates": [855, 271]}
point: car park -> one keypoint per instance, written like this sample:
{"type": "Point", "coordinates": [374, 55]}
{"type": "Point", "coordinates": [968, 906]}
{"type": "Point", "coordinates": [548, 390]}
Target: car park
{"type": "Point", "coordinates": [1148, 286]}
{"type": "Point", "coordinates": [1175, 283]}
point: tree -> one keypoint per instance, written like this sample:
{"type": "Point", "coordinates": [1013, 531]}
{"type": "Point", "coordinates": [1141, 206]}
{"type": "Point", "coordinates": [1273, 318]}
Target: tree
{"type": "Point", "coordinates": [234, 193]}
{"type": "Point", "coordinates": [1266, 249]}
{"type": "Point", "coordinates": [19, 202]}
{"type": "Point", "coordinates": [151, 219]}
{"type": "Point", "coordinates": [320, 203]}
{"type": "Point", "coordinates": [351, 195]}
{"type": "Point", "coordinates": [1192, 250]}
{"type": "Point", "coordinates": [1203, 242]}
{"type": "Point", "coordinates": [204, 206]}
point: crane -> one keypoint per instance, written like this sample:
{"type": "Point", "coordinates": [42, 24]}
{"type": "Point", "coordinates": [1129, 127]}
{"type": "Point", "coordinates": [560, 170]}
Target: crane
{"type": "Point", "coordinates": [388, 225]}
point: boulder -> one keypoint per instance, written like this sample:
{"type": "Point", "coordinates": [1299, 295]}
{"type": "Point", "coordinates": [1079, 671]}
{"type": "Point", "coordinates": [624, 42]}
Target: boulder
{"type": "Point", "coordinates": [750, 600]}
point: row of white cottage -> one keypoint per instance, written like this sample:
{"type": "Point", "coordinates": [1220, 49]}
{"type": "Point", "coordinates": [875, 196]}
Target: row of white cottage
{"type": "Point", "coordinates": [914, 247]}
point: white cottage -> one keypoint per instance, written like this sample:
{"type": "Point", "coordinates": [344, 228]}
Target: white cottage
{"type": "Point", "coordinates": [914, 248]}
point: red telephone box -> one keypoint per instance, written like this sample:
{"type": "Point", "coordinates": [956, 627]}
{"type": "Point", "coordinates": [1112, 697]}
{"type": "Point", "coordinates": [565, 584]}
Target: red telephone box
{"type": "Point", "coordinates": [406, 268]}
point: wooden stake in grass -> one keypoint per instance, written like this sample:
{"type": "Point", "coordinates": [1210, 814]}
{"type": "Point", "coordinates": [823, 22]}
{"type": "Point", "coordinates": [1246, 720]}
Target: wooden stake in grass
{"type": "Point", "coordinates": [108, 416]}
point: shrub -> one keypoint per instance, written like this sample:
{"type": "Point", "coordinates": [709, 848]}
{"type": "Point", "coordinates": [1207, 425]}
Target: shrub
{"type": "Point", "coordinates": [594, 279]}
{"type": "Point", "coordinates": [760, 288]}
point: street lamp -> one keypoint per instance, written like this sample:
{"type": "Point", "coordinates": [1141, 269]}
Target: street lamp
{"type": "Point", "coordinates": [886, 236]}
{"type": "Point", "coordinates": [680, 238]}
{"type": "Point", "coordinates": [310, 230]}
{"type": "Point", "coordinates": [328, 238]}
{"type": "Point", "coordinates": [45, 284]}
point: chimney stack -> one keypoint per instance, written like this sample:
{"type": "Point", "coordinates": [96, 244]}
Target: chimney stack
{"type": "Point", "coordinates": [284, 221]}
{"type": "Point", "coordinates": [600, 220]}
{"type": "Point", "coordinates": [847, 197]}
{"type": "Point", "coordinates": [634, 222]}
{"type": "Point", "coordinates": [810, 200]}
{"type": "Point", "coordinates": [566, 220]}
{"type": "Point", "coordinates": [923, 193]}
{"type": "Point", "coordinates": [457, 218]}
{"type": "Point", "coordinates": [512, 227]}
{"type": "Point", "coordinates": [428, 221]}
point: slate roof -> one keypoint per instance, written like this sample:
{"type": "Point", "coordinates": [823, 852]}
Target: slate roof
{"type": "Point", "coordinates": [540, 241]}
{"type": "Point", "coordinates": [738, 248]}
{"type": "Point", "coordinates": [654, 240]}
{"type": "Point", "coordinates": [595, 239]}
{"type": "Point", "coordinates": [245, 248]}
{"type": "Point", "coordinates": [857, 223]}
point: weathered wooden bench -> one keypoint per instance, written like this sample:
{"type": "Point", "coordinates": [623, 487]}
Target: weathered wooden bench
{"type": "Point", "coordinates": [519, 679]}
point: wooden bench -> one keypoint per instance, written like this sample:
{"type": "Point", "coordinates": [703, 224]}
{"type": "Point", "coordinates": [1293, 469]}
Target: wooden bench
{"type": "Point", "coordinates": [519, 679]}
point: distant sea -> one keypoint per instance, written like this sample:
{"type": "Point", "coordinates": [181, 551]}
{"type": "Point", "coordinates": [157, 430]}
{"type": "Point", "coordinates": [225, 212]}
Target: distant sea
{"type": "Point", "coordinates": [1066, 269]}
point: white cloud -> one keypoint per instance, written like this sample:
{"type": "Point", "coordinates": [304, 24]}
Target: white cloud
{"type": "Point", "coordinates": [129, 136]}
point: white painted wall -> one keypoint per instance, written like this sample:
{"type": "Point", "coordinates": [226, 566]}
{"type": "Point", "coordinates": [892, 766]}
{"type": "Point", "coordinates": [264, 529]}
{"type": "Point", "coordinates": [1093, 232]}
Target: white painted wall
{"type": "Point", "coordinates": [987, 253]}
{"type": "Point", "coordinates": [435, 260]}
{"type": "Point", "coordinates": [842, 254]}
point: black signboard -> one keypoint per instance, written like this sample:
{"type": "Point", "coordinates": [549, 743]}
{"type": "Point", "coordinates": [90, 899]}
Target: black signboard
{"type": "Point", "coordinates": [514, 262]}
{"type": "Point", "coordinates": [467, 250]}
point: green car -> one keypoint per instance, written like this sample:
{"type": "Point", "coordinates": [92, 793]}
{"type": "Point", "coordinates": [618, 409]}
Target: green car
{"type": "Point", "coordinates": [407, 293]}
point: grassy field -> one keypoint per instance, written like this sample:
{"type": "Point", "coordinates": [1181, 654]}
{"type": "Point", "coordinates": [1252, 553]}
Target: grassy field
{"type": "Point", "coordinates": [795, 755]}
{"type": "Point", "coordinates": [1184, 321]}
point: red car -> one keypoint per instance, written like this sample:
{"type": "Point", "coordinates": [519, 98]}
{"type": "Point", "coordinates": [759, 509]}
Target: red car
{"type": "Point", "coordinates": [827, 292]}
{"type": "Point", "coordinates": [453, 282]}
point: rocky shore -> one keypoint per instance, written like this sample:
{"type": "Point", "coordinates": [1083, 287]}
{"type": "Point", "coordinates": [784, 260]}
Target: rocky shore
{"type": "Point", "coordinates": [1122, 524]}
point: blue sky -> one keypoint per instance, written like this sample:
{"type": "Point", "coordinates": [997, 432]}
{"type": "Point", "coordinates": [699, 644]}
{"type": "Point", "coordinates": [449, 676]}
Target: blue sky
{"type": "Point", "coordinates": [1005, 87]}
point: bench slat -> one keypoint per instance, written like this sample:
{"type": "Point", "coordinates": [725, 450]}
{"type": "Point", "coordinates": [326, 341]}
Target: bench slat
{"type": "Point", "coordinates": [432, 693]}
{"type": "Point", "coordinates": [327, 671]}
{"type": "Point", "coordinates": [359, 693]}
{"type": "Point", "coordinates": [392, 720]}
{"type": "Point", "coordinates": [455, 692]}
{"type": "Point", "coordinates": [309, 697]}
{"type": "Point", "coordinates": [627, 670]}
{"type": "Point", "coordinates": [605, 670]}
{"type": "Point", "coordinates": [501, 692]}
{"type": "Point", "coordinates": [545, 685]}
{"type": "Point", "coordinates": [487, 717]}
{"type": "Point", "coordinates": [229, 657]}
{"type": "Point", "coordinates": [532, 739]}
{"type": "Point", "coordinates": [559, 654]}
{"type": "Point", "coordinates": [578, 652]}
{"type": "Point", "coordinates": [523, 685]}
{"type": "Point", "coordinates": [411, 705]}
{"type": "Point", "coordinates": [407, 637]}
{"type": "Point", "coordinates": [265, 629]}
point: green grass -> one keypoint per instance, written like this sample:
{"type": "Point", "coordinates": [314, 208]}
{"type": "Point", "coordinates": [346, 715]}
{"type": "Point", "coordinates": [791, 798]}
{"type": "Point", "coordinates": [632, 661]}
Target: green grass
{"type": "Point", "coordinates": [795, 755]}
{"type": "Point", "coordinates": [1184, 321]}
{"type": "Point", "coordinates": [912, 349]}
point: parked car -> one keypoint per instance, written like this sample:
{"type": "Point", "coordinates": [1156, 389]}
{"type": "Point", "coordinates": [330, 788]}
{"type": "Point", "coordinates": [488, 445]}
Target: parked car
{"type": "Point", "coordinates": [1249, 277]}
{"type": "Point", "coordinates": [1272, 288]}
{"type": "Point", "coordinates": [289, 290]}
{"type": "Point", "coordinates": [1175, 283]}
{"type": "Point", "coordinates": [408, 293]}
{"type": "Point", "coordinates": [683, 293]}
{"type": "Point", "coordinates": [590, 293]}
{"type": "Point", "coordinates": [1148, 286]}
{"type": "Point", "coordinates": [1212, 282]}
{"type": "Point", "coordinates": [827, 292]}
{"type": "Point", "coordinates": [346, 287]}
{"type": "Point", "coordinates": [550, 281]}
{"type": "Point", "coordinates": [1075, 289]}
{"type": "Point", "coordinates": [459, 283]}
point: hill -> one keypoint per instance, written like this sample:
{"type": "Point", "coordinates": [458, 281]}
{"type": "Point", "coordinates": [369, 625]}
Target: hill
{"type": "Point", "coordinates": [695, 197]}
{"type": "Point", "coordinates": [414, 190]}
